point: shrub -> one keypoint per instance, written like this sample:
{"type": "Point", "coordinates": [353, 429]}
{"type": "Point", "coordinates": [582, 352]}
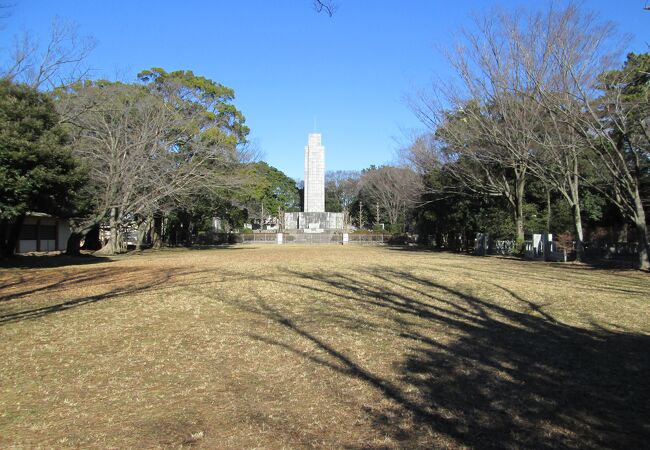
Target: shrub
{"type": "Point", "coordinates": [520, 247]}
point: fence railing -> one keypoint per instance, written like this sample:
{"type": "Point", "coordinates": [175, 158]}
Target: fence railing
{"type": "Point", "coordinates": [319, 238]}
{"type": "Point", "coordinates": [312, 238]}
{"type": "Point", "coordinates": [256, 238]}
{"type": "Point", "coordinates": [365, 239]}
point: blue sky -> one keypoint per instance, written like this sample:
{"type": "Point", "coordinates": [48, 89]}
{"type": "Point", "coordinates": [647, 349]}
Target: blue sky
{"type": "Point", "coordinates": [289, 65]}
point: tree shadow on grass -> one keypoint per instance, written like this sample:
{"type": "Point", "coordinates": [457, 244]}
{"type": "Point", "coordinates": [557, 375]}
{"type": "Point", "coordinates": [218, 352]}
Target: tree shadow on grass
{"type": "Point", "coordinates": [624, 265]}
{"type": "Point", "coordinates": [50, 261]}
{"type": "Point", "coordinates": [22, 285]}
{"type": "Point", "coordinates": [497, 377]}
{"type": "Point", "coordinates": [181, 248]}
{"type": "Point", "coordinates": [128, 281]}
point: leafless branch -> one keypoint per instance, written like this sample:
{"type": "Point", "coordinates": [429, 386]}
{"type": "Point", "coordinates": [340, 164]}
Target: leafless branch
{"type": "Point", "coordinates": [61, 62]}
{"type": "Point", "coordinates": [326, 6]}
{"type": "Point", "coordinates": [395, 189]}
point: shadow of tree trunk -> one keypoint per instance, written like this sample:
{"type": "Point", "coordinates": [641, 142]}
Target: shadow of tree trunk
{"type": "Point", "coordinates": [502, 378]}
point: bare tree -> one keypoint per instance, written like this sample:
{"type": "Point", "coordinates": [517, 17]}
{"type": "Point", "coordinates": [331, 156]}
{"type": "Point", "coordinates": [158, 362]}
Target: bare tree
{"type": "Point", "coordinates": [527, 80]}
{"type": "Point", "coordinates": [344, 185]}
{"type": "Point", "coordinates": [537, 39]}
{"type": "Point", "coordinates": [395, 189]}
{"type": "Point", "coordinates": [605, 109]}
{"type": "Point", "coordinates": [486, 121]}
{"type": "Point", "coordinates": [143, 155]}
{"type": "Point", "coordinates": [60, 62]}
{"type": "Point", "coordinates": [616, 128]}
{"type": "Point", "coordinates": [559, 163]}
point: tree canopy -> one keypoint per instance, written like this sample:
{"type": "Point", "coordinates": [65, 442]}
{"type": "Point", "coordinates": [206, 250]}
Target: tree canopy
{"type": "Point", "coordinates": [37, 169]}
{"type": "Point", "coordinates": [153, 145]}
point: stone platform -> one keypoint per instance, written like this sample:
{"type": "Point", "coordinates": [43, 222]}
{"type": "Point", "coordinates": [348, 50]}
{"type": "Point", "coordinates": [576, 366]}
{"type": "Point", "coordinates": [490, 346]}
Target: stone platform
{"type": "Point", "coordinates": [314, 222]}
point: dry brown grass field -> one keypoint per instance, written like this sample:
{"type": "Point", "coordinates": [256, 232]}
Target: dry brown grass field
{"type": "Point", "coordinates": [336, 347]}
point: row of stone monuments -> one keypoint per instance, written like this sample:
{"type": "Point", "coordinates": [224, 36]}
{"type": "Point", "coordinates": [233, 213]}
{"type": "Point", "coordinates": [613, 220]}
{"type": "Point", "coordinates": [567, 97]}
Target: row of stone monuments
{"type": "Point", "coordinates": [541, 247]}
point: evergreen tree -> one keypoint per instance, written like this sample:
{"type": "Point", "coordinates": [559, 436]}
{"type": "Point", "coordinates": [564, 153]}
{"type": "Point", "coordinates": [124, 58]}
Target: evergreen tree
{"type": "Point", "coordinates": [37, 170]}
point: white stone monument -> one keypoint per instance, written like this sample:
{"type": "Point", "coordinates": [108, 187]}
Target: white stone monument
{"type": "Point", "coordinates": [314, 219]}
{"type": "Point", "coordinates": [314, 174]}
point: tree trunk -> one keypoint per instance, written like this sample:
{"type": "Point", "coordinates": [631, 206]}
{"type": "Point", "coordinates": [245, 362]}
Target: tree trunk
{"type": "Point", "coordinates": [548, 210]}
{"type": "Point", "coordinates": [114, 236]}
{"type": "Point", "coordinates": [143, 228]}
{"type": "Point", "coordinates": [623, 232]}
{"type": "Point", "coordinates": [439, 240]}
{"type": "Point", "coordinates": [13, 236]}
{"type": "Point", "coordinates": [520, 184]}
{"type": "Point", "coordinates": [644, 242]}
{"type": "Point", "coordinates": [115, 242]}
{"type": "Point", "coordinates": [185, 231]}
{"type": "Point", "coordinates": [577, 223]}
{"type": "Point", "coordinates": [577, 213]}
{"type": "Point", "coordinates": [140, 236]}
{"type": "Point", "coordinates": [156, 231]}
{"type": "Point", "coordinates": [112, 246]}
{"type": "Point", "coordinates": [91, 239]}
{"type": "Point", "coordinates": [78, 232]}
{"type": "Point", "coordinates": [73, 246]}
{"type": "Point", "coordinates": [4, 225]}
{"type": "Point", "coordinates": [641, 233]}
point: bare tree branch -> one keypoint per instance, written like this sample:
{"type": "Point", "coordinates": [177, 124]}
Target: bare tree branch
{"type": "Point", "coordinates": [326, 6]}
{"type": "Point", "coordinates": [59, 63]}
{"type": "Point", "coordinates": [395, 189]}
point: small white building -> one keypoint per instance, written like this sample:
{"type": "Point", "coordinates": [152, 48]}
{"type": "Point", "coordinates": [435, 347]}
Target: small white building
{"type": "Point", "coordinates": [42, 233]}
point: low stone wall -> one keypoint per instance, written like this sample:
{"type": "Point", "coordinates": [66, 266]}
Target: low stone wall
{"type": "Point", "coordinates": [313, 221]}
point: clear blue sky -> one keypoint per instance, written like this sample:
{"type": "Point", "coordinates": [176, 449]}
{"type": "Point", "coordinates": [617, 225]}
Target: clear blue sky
{"type": "Point", "coordinates": [288, 64]}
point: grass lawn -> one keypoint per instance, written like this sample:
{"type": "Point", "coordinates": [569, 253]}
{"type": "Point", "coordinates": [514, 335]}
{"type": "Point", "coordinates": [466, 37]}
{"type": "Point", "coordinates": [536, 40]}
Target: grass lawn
{"type": "Point", "coordinates": [324, 346]}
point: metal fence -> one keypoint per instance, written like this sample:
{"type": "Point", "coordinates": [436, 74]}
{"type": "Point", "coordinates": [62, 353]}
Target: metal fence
{"type": "Point", "coordinates": [312, 238]}
{"type": "Point", "coordinates": [256, 238]}
{"type": "Point", "coordinates": [369, 239]}
{"type": "Point", "coordinates": [318, 238]}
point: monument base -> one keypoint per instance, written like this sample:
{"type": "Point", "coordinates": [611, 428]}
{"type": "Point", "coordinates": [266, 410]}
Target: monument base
{"type": "Point", "coordinates": [313, 222]}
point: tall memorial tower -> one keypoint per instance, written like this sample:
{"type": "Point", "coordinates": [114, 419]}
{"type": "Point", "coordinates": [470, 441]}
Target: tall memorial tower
{"type": "Point", "coordinates": [314, 174]}
{"type": "Point", "coordinates": [314, 218]}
